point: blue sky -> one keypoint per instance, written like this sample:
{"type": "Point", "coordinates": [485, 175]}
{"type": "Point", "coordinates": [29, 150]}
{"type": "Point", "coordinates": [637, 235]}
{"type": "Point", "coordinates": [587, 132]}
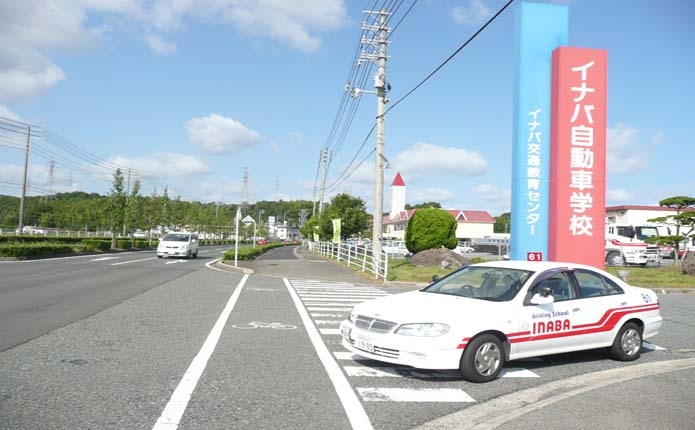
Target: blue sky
{"type": "Point", "coordinates": [188, 93]}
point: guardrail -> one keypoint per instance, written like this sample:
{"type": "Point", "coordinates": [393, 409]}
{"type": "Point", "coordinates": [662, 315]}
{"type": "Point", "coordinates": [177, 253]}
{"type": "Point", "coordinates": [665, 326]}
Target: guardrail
{"type": "Point", "coordinates": [353, 256]}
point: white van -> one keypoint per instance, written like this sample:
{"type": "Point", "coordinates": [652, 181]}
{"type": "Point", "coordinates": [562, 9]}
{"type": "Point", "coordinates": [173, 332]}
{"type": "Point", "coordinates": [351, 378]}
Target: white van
{"type": "Point", "coordinates": [178, 244]}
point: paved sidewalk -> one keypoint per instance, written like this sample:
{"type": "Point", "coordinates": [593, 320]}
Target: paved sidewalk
{"type": "Point", "coordinates": [298, 263]}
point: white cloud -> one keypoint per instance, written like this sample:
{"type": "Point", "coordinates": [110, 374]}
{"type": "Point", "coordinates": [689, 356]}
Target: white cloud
{"type": "Point", "coordinates": [220, 135]}
{"type": "Point", "coordinates": [426, 159]}
{"type": "Point", "coordinates": [163, 165]}
{"type": "Point", "coordinates": [475, 13]}
{"type": "Point", "coordinates": [624, 151]}
{"type": "Point", "coordinates": [618, 196]}
{"type": "Point", "coordinates": [160, 46]}
{"type": "Point", "coordinates": [495, 198]}
{"type": "Point", "coordinates": [430, 194]}
{"type": "Point", "coordinates": [30, 31]}
{"type": "Point", "coordinates": [7, 113]}
{"type": "Point", "coordinates": [33, 31]}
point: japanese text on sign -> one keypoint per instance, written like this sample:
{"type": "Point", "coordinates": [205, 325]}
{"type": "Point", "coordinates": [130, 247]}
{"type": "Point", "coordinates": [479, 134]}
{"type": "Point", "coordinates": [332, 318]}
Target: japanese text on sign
{"type": "Point", "coordinates": [533, 171]}
{"type": "Point", "coordinates": [581, 155]}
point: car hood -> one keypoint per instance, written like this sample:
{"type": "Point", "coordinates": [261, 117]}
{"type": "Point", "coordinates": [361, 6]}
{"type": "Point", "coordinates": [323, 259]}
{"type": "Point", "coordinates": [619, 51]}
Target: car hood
{"type": "Point", "coordinates": [420, 306]}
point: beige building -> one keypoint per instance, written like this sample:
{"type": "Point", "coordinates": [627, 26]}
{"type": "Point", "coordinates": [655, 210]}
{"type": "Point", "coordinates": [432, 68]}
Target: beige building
{"type": "Point", "coordinates": [635, 214]}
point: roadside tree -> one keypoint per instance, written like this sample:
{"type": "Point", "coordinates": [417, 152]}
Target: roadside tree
{"type": "Point", "coordinates": [115, 207]}
{"type": "Point", "coordinates": [683, 221]}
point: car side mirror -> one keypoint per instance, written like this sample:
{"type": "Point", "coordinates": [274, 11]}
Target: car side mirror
{"type": "Point", "coordinates": [435, 278]}
{"type": "Point", "coordinates": [540, 299]}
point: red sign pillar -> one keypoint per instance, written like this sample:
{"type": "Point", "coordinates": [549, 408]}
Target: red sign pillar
{"type": "Point", "coordinates": [578, 156]}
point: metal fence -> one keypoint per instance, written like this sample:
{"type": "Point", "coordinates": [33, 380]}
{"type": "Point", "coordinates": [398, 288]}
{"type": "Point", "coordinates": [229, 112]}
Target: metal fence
{"type": "Point", "coordinates": [354, 256]}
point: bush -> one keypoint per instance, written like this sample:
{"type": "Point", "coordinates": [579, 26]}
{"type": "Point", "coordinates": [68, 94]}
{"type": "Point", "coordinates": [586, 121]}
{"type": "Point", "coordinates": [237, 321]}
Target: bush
{"type": "Point", "coordinates": [25, 250]}
{"type": "Point", "coordinates": [249, 252]}
{"type": "Point", "coordinates": [430, 228]}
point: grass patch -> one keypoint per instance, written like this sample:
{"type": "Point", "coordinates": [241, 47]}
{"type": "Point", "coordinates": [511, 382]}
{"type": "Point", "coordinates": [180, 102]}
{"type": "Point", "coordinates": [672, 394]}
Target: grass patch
{"type": "Point", "coordinates": [656, 277]}
{"type": "Point", "coordinates": [650, 277]}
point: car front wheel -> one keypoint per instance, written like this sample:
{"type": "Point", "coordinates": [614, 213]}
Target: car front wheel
{"type": "Point", "coordinates": [482, 359]}
{"type": "Point", "coordinates": [628, 343]}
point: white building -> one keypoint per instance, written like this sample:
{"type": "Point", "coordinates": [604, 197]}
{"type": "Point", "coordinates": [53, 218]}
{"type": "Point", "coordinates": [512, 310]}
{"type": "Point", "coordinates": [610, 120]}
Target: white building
{"type": "Point", "coordinates": [636, 215]}
{"type": "Point", "coordinates": [471, 224]}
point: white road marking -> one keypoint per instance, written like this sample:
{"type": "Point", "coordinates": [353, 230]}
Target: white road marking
{"type": "Point", "coordinates": [103, 258]}
{"type": "Point", "coordinates": [414, 395]}
{"type": "Point", "coordinates": [133, 261]}
{"type": "Point", "coordinates": [650, 346]}
{"type": "Point", "coordinates": [173, 411]}
{"type": "Point", "coordinates": [176, 261]}
{"type": "Point", "coordinates": [321, 315]}
{"type": "Point", "coordinates": [329, 330]}
{"type": "Point", "coordinates": [517, 373]}
{"type": "Point", "coordinates": [323, 299]}
{"type": "Point", "coordinates": [348, 305]}
{"type": "Point", "coordinates": [328, 322]}
{"type": "Point", "coordinates": [346, 309]}
{"type": "Point", "coordinates": [352, 405]}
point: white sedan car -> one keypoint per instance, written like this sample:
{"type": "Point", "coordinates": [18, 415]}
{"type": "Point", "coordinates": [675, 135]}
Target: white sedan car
{"type": "Point", "coordinates": [482, 315]}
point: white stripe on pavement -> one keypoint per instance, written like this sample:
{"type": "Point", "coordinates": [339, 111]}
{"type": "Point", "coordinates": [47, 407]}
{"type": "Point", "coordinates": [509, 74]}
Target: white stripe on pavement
{"type": "Point", "coordinates": [351, 403]}
{"type": "Point", "coordinates": [414, 395]}
{"type": "Point", "coordinates": [173, 411]}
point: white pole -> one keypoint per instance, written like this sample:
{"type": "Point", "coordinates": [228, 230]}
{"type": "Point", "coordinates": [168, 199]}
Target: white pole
{"type": "Point", "coordinates": [236, 241]}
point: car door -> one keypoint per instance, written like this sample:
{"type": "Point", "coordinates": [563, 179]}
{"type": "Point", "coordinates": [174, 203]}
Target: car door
{"type": "Point", "coordinates": [599, 308]}
{"type": "Point", "coordinates": [547, 328]}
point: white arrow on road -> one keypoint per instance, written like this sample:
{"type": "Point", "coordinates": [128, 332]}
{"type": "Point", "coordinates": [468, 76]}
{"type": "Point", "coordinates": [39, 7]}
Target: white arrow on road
{"type": "Point", "coordinates": [176, 261]}
{"type": "Point", "coordinates": [103, 258]}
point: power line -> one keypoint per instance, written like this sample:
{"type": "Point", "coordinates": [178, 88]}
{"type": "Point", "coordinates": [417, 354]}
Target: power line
{"type": "Point", "coordinates": [347, 172]}
{"type": "Point", "coordinates": [455, 53]}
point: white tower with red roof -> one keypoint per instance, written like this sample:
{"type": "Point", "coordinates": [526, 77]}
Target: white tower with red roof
{"type": "Point", "coordinates": [397, 195]}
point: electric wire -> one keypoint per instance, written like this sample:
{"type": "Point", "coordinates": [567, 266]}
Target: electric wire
{"type": "Point", "coordinates": [455, 53]}
{"type": "Point", "coordinates": [344, 174]}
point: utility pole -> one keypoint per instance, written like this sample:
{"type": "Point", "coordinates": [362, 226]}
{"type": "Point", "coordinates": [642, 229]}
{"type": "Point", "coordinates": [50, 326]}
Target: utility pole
{"type": "Point", "coordinates": [245, 191]}
{"type": "Point", "coordinates": [24, 183]}
{"type": "Point", "coordinates": [325, 159]}
{"type": "Point", "coordinates": [127, 193]}
{"type": "Point", "coordinates": [378, 39]}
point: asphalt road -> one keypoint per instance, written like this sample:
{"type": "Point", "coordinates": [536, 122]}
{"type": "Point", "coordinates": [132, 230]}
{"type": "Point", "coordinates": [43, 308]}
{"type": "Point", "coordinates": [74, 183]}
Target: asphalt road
{"type": "Point", "coordinates": [185, 346]}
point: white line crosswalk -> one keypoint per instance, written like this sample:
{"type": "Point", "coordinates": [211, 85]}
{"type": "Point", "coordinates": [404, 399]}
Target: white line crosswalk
{"type": "Point", "coordinates": [329, 303]}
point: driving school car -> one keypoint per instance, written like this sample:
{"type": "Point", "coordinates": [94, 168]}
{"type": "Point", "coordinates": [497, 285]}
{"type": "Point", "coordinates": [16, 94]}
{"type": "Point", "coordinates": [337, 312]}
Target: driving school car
{"type": "Point", "coordinates": [482, 315]}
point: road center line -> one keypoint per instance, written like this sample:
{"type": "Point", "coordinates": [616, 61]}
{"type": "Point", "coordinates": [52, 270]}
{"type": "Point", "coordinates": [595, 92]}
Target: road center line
{"type": "Point", "coordinates": [131, 261]}
{"type": "Point", "coordinates": [351, 403]}
{"type": "Point", "coordinates": [173, 411]}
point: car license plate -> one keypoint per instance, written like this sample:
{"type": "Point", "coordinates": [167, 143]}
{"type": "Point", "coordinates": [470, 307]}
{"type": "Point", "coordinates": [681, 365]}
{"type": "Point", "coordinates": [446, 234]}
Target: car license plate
{"type": "Point", "coordinates": [364, 344]}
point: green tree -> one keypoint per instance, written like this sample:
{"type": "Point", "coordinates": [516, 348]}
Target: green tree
{"type": "Point", "coordinates": [429, 229]}
{"type": "Point", "coordinates": [134, 217]}
{"type": "Point", "coordinates": [681, 220]}
{"type": "Point", "coordinates": [423, 205]}
{"type": "Point", "coordinates": [115, 207]}
{"type": "Point", "coordinates": [352, 213]}
{"type": "Point", "coordinates": [502, 223]}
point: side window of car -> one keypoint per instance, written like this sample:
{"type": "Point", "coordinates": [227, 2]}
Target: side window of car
{"type": "Point", "coordinates": [560, 287]}
{"type": "Point", "coordinates": [595, 285]}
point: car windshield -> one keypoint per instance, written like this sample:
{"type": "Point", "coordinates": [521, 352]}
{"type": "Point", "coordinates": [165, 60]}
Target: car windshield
{"type": "Point", "coordinates": [176, 237]}
{"type": "Point", "coordinates": [479, 282]}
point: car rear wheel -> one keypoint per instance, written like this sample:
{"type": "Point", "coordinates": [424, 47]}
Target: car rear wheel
{"type": "Point", "coordinates": [628, 343]}
{"type": "Point", "coordinates": [482, 359]}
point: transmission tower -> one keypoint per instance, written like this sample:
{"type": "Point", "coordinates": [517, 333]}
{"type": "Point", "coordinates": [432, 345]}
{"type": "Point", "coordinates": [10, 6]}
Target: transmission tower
{"type": "Point", "coordinates": [51, 183]}
{"type": "Point", "coordinates": [245, 191]}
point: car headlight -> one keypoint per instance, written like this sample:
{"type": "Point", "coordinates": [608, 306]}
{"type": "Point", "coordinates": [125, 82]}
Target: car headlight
{"type": "Point", "coordinates": [352, 316]}
{"type": "Point", "coordinates": [423, 329]}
